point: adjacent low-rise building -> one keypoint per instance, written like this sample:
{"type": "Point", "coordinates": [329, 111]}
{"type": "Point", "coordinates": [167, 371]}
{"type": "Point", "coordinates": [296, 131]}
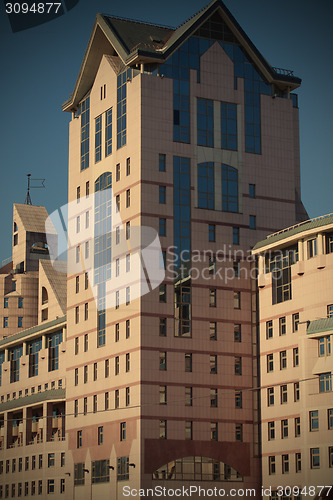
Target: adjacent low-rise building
{"type": "Point", "coordinates": [296, 364]}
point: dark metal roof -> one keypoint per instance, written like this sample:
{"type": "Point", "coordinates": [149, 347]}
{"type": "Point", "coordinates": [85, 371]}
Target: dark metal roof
{"type": "Point", "coordinates": [320, 325]}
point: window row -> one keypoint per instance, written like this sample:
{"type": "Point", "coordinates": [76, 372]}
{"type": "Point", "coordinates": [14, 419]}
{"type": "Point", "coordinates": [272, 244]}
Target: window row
{"type": "Point", "coordinates": [18, 322]}
{"type": "Point", "coordinates": [212, 296]}
{"type": "Point", "coordinates": [285, 431]}
{"type": "Point", "coordinates": [213, 363]}
{"type": "Point", "coordinates": [31, 463]}
{"type": "Point", "coordinates": [85, 370]}
{"type": "Point", "coordinates": [96, 400]}
{"type": "Point", "coordinates": [32, 488]}
{"type": "Point", "coordinates": [282, 391]}
{"type": "Point", "coordinates": [85, 340]}
{"type": "Point", "coordinates": [213, 429]}
{"type": "Point", "coordinates": [282, 360]}
{"type": "Point", "coordinates": [52, 386]}
{"type": "Point", "coordinates": [282, 326]}
{"type": "Point", "coordinates": [314, 456]}
{"type": "Point", "coordinates": [100, 471]}
{"type": "Point", "coordinates": [188, 396]}
{"type": "Point", "coordinates": [212, 330]}
{"type": "Point", "coordinates": [19, 302]}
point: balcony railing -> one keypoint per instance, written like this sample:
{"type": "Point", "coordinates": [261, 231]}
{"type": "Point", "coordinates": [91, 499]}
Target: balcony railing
{"type": "Point", "coordinates": [285, 72]}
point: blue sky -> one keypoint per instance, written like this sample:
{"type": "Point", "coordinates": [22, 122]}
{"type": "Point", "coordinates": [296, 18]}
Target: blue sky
{"type": "Point", "coordinates": [40, 66]}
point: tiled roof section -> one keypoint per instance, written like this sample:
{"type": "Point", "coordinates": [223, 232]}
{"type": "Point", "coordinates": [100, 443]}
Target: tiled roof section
{"type": "Point", "coordinates": [135, 34]}
{"type": "Point", "coordinates": [30, 331]}
{"type": "Point", "coordinates": [38, 397]}
{"type": "Point", "coordinates": [324, 220]}
{"type": "Point", "coordinates": [320, 325]}
{"type": "Point", "coordinates": [57, 278]}
{"type": "Point", "coordinates": [33, 218]}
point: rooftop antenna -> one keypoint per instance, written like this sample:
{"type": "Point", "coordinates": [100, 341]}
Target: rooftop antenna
{"type": "Point", "coordinates": [27, 200]}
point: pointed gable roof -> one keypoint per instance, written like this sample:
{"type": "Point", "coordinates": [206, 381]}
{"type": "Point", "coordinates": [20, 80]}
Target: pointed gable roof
{"type": "Point", "coordinates": [136, 42]}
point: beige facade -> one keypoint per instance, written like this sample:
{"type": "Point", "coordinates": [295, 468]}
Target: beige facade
{"type": "Point", "coordinates": [295, 356]}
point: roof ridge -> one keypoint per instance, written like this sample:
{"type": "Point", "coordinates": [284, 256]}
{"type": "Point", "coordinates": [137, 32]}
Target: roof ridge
{"type": "Point", "coordinates": [138, 21]}
{"type": "Point", "coordinates": [196, 13]}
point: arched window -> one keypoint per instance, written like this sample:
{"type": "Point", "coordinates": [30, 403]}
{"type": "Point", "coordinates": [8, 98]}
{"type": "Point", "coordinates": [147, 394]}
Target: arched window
{"type": "Point", "coordinates": [45, 297]}
{"type": "Point", "coordinates": [229, 188]}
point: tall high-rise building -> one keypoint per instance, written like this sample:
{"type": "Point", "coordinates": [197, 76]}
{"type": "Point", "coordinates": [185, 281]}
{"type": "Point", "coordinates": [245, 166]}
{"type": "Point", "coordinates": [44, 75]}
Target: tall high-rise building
{"type": "Point", "coordinates": [296, 326]}
{"type": "Point", "coordinates": [197, 137]}
{"type": "Point", "coordinates": [180, 137]}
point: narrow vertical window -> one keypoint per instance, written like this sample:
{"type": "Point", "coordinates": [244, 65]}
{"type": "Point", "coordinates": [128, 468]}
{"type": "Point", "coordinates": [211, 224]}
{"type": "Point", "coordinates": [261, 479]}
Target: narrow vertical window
{"type": "Point", "coordinates": [84, 111]}
{"type": "Point", "coordinates": [98, 138]}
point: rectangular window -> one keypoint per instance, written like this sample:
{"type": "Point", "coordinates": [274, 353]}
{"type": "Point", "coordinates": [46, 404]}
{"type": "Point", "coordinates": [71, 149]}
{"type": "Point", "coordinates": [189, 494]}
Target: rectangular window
{"type": "Point", "coordinates": [237, 300]}
{"type": "Point", "coordinates": [270, 396]}
{"type": "Point", "coordinates": [270, 363]}
{"type": "Point", "coordinates": [127, 396]}
{"type": "Point", "coordinates": [252, 222]}
{"type": "Point", "coordinates": [297, 427]}
{"type": "Point", "coordinates": [235, 235]}
{"type": "Point", "coordinates": [128, 362]}
{"type": "Point", "coordinates": [330, 418]}
{"type": "Point", "coordinates": [271, 465]}
{"type": "Point", "coordinates": [79, 439]}
{"type": "Point", "coordinates": [87, 188]}
{"type": "Point", "coordinates": [188, 430]}
{"type": "Point", "coordinates": [252, 190]}
{"type": "Point", "coordinates": [238, 365]}
{"type": "Point", "coordinates": [213, 330]}
{"type": "Point", "coordinates": [20, 302]}
{"type": "Point", "coordinates": [162, 293]}
{"type": "Point", "coordinates": [282, 326]}
{"type": "Point", "coordinates": [106, 401]}
{"type": "Point", "coordinates": [296, 391]}
{"type": "Point", "coordinates": [284, 428]}
{"type": "Point", "coordinates": [77, 314]}
{"type": "Point", "coordinates": [283, 360]}
{"type": "Point", "coordinates": [86, 342]}
{"type": "Point", "coordinates": [162, 162]}
{"type": "Point", "coordinates": [84, 111]}
{"type": "Point", "coordinates": [162, 194]}
{"type": "Point", "coordinates": [269, 329]}
{"type": "Point", "coordinates": [238, 333]}
{"type": "Point", "coordinates": [271, 431]}
{"type": "Point", "coordinates": [76, 346]}
{"type": "Point", "coordinates": [78, 194]}
{"type": "Point", "coordinates": [50, 486]}
{"type": "Point", "coordinates": [95, 403]}
{"type": "Point", "coordinates": [314, 420]}
{"type": "Point", "coordinates": [86, 311]}
{"type": "Point", "coordinates": [116, 365]}
{"type": "Point", "coordinates": [213, 363]}
{"type": "Point", "coordinates": [108, 132]}
{"type": "Point", "coordinates": [229, 126]}
{"type": "Point", "coordinates": [163, 327]}
{"type": "Point", "coordinates": [325, 382]}
{"type": "Point", "coordinates": [128, 230]}
{"type": "Point", "coordinates": [295, 322]}
{"type": "Point", "coordinates": [330, 456]}
{"type": "Point", "coordinates": [98, 138]}
{"type": "Point", "coordinates": [86, 281]}
{"type": "Point", "coordinates": [117, 202]}
{"type": "Point", "coordinates": [205, 122]}
{"type": "Point", "coordinates": [76, 408]}
{"type": "Point", "coordinates": [122, 469]}
{"type": "Point", "coordinates": [312, 248]}
{"type": "Point", "coordinates": [95, 371]}
{"type": "Point", "coordinates": [213, 398]}
{"type": "Point", "coordinates": [162, 227]}
{"type": "Point", "coordinates": [128, 198]}
{"type": "Point", "coordinates": [212, 297]}
{"type": "Point", "coordinates": [163, 395]}
{"type": "Point", "coordinates": [121, 106]}
{"type": "Point", "coordinates": [239, 432]}
{"type": "Point", "coordinates": [284, 394]}
{"type": "Point", "coordinates": [116, 332]}
{"type": "Point", "coordinates": [238, 399]}
{"type": "Point", "coordinates": [211, 233]}
{"type": "Point", "coordinates": [128, 166]}
{"type": "Point", "coordinates": [123, 431]}
{"type": "Point", "coordinates": [85, 374]}
{"type": "Point", "coordinates": [100, 435]}
{"type": "Point", "coordinates": [116, 399]}
{"type": "Point", "coordinates": [163, 361]}
{"type": "Point", "coordinates": [188, 362]}
{"type": "Point", "coordinates": [128, 328]}
{"type": "Point", "coordinates": [298, 462]}
{"type": "Point", "coordinates": [100, 471]}
{"type": "Point", "coordinates": [285, 464]}
{"type": "Point", "coordinates": [229, 189]}
{"type": "Point", "coordinates": [188, 396]}
{"type": "Point", "coordinates": [50, 460]}
{"type": "Point", "coordinates": [76, 376]}
{"type": "Point", "coordinates": [106, 368]}
{"type": "Point", "coordinates": [295, 357]}
{"type": "Point", "coordinates": [330, 311]}
{"type": "Point", "coordinates": [206, 187]}
{"type": "Point", "coordinates": [163, 429]}
{"type": "Point", "coordinates": [315, 458]}
{"type": "Point", "coordinates": [324, 345]}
